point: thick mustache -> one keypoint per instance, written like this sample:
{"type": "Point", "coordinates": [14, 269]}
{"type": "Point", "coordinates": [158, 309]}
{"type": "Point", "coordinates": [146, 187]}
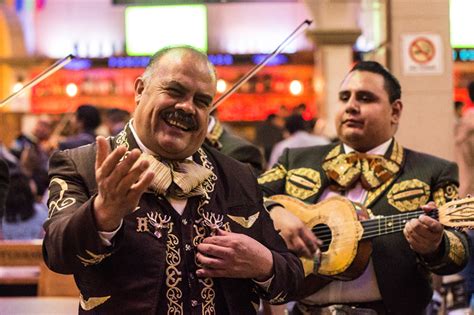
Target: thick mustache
{"type": "Point", "coordinates": [183, 118]}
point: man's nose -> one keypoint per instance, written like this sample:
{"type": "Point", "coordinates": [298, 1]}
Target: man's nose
{"type": "Point", "coordinates": [187, 106]}
{"type": "Point", "coordinates": [352, 105]}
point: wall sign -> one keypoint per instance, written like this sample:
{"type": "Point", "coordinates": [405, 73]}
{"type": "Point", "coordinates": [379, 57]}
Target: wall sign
{"type": "Point", "coordinates": [422, 54]}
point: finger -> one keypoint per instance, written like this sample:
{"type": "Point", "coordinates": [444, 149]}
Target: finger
{"type": "Point", "coordinates": [210, 273]}
{"type": "Point", "coordinates": [213, 250]}
{"type": "Point", "coordinates": [219, 240]}
{"type": "Point", "coordinates": [137, 189]}
{"type": "Point", "coordinates": [210, 262]}
{"type": "Point", "coordinates": [123, 167]}
{"type": "Point", "coordinates": [431, 224]}
{"type": "Point", "coordinates": [102, 151]}
{"type": "Point", "coordinates": [110, 163]}
{"type": "Point", "coordinates": [429, 206]}
{"type": "Point", "coordinates": [310, 241]}
{"type": "Point", "coordinates": [299, 247]}
{"type": "Point", "coordinates": [125, 183]}
{"type": "Point", "coordinates": [423, 230]}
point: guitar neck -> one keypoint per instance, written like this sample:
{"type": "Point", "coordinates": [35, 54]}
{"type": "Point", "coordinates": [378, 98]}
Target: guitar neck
{"type": "Point", "coordinates": [392, 223]}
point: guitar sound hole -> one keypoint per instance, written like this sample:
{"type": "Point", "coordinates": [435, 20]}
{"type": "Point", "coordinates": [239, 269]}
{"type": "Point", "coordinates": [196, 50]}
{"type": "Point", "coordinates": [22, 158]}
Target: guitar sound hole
{"type": "Point", "coordinates": [323, 232]}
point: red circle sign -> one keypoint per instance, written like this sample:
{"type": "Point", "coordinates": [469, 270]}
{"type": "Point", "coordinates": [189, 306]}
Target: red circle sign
{"type": "Point", "coordinates": [422, 50]}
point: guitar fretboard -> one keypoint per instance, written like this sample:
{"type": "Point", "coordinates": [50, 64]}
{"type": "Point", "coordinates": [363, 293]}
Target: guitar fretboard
{"type": "Point", "coordinates": [391, 224]}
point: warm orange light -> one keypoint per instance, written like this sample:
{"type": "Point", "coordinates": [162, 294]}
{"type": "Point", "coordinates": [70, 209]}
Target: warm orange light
{"type": "Point", "coordinates": [296, 87]}
{"type": "Point", "coordinates": [221, 86]}
{"type": "Point", "coordinates": [71, 90]}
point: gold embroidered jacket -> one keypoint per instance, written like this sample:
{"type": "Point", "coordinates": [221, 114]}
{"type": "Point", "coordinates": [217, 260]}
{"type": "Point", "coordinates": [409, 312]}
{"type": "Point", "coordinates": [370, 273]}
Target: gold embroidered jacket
{"type": "Point", "coordinates": [150, 268]}
{"type": "Point", "coordinates": [402, 275]}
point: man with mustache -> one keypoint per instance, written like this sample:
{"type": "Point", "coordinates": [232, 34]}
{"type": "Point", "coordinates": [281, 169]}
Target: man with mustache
{"type": "Point", "coordinates": [153, 222]}
{"type": "Point", "coordinates": [370, 167]}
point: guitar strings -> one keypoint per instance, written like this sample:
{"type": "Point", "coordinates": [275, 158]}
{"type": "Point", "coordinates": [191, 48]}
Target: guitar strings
{"type": "Point", "coordinates": [368, 224]}
{"type": "Point", "coordinates": [346, 241]}
{"type": "Point", "coordinates": [371, 229]}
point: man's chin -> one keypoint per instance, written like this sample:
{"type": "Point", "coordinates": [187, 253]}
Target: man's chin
{"type": "Point", "coordinates": [174, 152]}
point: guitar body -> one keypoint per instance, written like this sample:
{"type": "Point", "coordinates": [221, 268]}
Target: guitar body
{"type": "Point", "coordinates": [344, 256]}
{"type": "Point", "coordinates": [345, 230]}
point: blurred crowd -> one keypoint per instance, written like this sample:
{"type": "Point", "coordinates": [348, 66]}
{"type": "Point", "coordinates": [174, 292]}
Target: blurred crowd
{"type": "Point", "coordinates": [27, 159]}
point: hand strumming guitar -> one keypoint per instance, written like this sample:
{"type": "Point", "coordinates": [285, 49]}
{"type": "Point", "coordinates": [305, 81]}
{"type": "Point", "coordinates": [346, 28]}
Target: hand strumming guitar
{"type": "Point", "coordinates": [424, 234]}
{"type": "Point", "coordinates": [297, 236]}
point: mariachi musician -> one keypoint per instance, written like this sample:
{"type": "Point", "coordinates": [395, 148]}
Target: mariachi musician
{"type": "Point", "coordinates": [369, 167]}
{"type": "Point", "coordinates": [234, 146]}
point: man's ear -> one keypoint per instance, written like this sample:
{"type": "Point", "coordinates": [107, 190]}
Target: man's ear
{"type": "Point", "coordinates": [139, 88]}
{"type": "Point", "coordinates": [397, 108]}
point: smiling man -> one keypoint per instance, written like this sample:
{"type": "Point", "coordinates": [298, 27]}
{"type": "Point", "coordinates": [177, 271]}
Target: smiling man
{"type": "Point", "coordinates": [369, 167]}
{"type": "Point", "coordinates": [153, 222]}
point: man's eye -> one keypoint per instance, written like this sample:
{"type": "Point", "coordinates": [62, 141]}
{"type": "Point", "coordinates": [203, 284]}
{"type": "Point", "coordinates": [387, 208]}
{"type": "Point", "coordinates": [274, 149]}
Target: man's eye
{"type": "Point", "coordinates": [366, 98]}
{"type": "Point", "coordinates": [343, 97]}
{"type": "Point", "coordinates": [202, 103]}
{"type": "Point", "coordinates": [174, 92]}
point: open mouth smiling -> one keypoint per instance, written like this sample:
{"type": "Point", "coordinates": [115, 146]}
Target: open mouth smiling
{"type": "Point", "coordinates": [180, 120]}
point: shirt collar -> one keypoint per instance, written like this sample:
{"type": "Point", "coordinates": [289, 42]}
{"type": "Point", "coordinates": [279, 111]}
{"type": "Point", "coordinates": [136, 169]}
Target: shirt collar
{"type": "Point", "coordinates": [379, 150]}
{"type": "Point", "coordinates": [212, 123]}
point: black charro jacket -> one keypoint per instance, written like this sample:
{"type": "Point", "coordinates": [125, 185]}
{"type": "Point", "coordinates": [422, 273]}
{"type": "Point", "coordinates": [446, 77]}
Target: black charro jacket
{"type": "Point", "coordinates": [132, 276]}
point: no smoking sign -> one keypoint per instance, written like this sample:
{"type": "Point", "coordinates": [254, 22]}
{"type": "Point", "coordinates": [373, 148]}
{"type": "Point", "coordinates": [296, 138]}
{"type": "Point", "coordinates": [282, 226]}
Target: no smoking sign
{"type": "Point", "coordinates": [422, 54]}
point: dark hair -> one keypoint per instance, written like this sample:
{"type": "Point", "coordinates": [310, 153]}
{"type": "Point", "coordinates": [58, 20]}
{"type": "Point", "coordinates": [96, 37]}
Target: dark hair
{"type": "Point", "coordinates": [117, 115]}
{"type": "Point", "coordinates": [162, 52]}
{"type": "Point", "coordinates": [89, 116]}
{"type": "Point", "coordinates": [470, 89]}
{"type": "Point", "coordinates": [270, 117]}
{"type": "Point", "coordinates": [20, 199]}
{"type": "Point", "coordinates": [295, 123]}
{"type": "Point", "coordinates": [458, 105]}
{"type": "Point", "coordinates": [391, 84]}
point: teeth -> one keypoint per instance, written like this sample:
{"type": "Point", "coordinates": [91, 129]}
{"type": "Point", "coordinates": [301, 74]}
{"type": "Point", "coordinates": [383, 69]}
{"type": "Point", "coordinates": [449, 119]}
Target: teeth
{"type": "Point", "coordinates": [177, 124]}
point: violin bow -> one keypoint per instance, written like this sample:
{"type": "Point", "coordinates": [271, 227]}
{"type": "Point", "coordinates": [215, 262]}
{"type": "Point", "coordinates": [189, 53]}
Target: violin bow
{"type": "Point", "coordinates": [257, 68]}
{"type": "Point", "coordinates": [62, 62]}
{"type": "Point", "coordinates": [43, 75]}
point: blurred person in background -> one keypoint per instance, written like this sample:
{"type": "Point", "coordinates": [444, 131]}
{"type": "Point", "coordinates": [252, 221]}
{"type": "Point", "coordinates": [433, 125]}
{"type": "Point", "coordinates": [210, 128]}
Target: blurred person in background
{"type": "Point", "coordinates": [234, 146]}
{"type": "Point", "coordinates": [115, 120]}
{"type": "Point", "coordinates": [458, 108]}
{"type": "Point", "coordinates": [39, 135]}
{"type": "Point", "coordinates": [299, 109]}
{"type": "Point", "coordinates": [33, 151]}
{"type": "Point", "coordinates": [269, 133]}
{"type": "Point", "coordinates": [299, 137]}
{"type": "Point", "coordinates": [4, 184]}
{"type": "Point", "coordinates": [464, 156]}
{"type": "Point", "coordinates": [85, 122]}
{"type": "Point", "coordinates": [24, 216]}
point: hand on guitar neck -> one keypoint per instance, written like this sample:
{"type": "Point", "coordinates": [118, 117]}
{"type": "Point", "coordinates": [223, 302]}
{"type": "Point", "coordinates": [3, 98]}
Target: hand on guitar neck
{"type": "Point", "coordinates": [424, 234]}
